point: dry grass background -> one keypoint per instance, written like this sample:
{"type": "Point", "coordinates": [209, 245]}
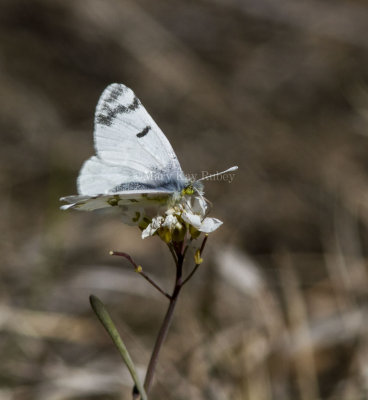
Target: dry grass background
{"type": "Point", "coordinates": [278, 310]}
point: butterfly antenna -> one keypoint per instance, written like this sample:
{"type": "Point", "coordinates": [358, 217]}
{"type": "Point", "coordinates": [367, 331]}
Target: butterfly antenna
{"type": "Point", "coordinates": [219, 173]}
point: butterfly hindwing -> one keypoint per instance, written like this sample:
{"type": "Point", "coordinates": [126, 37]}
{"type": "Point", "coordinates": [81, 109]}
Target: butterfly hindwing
{"type": "Point", "coordinates": [142, 198]}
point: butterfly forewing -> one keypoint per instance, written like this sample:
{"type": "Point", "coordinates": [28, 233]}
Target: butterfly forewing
{"type": "Point", "coordinates": [130, 148]}
{"type": "Point", "coordinates": [126, 133]}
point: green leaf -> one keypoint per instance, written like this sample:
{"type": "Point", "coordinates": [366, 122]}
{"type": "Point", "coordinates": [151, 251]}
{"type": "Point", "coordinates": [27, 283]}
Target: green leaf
{"type": "Point", "coordinates": [105, 319]}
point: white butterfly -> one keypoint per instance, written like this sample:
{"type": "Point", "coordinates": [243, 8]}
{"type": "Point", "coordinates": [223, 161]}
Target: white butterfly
{"type": "Point", "coordinates": [134, 162]}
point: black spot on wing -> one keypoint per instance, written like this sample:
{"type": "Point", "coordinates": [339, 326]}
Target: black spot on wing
{"type": "Point", "coordinates": [108, 114]}
{"type": "Point", "coordinates": [143, 132]}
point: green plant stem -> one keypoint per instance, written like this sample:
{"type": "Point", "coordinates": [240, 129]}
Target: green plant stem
{"type": "Point", "coordinates": [165, 324]}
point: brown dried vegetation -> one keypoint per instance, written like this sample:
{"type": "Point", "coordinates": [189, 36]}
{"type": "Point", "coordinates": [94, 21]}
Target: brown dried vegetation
{"type": "Point", "coordinates": [278, 309]}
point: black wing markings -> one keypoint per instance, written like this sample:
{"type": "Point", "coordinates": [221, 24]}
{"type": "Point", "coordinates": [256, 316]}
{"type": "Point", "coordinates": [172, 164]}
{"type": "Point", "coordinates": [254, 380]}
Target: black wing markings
{"type": "Point", "coordinates": [108, 114]}
{"type": "Point", "coordinates": [144, 132]}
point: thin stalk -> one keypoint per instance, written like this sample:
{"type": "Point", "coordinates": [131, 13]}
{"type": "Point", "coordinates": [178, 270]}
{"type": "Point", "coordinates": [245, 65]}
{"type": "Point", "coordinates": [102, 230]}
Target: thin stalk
{"type": "Point", "coordinates": [197, 265]}
{"type": "Point", "coordinates": [178, 251]}
{"type": "Point", "coordinates": [159, 342]}
{"type": "Point", "coordinates": [191, 274]}
{"type": "Point", "coordinates": [165, 324]}
{"type": "Point", "coordinates": [139, 270]}
{"type": "Point", "coordinates": [172, 251]}
{"type": "Point", "coordinates": [153, 283]}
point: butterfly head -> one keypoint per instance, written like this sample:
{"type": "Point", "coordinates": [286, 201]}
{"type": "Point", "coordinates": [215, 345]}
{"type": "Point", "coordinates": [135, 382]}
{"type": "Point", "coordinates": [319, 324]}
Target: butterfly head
{"type": "Point", "coordinates": [188, 190]}
{"type": "Point", "coordinates": [193, 187]}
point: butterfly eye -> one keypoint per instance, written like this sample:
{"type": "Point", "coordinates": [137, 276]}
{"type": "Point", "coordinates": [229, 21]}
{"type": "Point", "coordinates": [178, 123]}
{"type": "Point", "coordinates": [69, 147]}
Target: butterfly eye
{"type": "Point", "coordinates": [188, 190]}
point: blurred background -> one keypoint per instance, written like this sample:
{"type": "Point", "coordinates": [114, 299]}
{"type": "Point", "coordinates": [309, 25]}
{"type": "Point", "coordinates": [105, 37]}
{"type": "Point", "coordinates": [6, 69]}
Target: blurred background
{"type": "Point", "coordinates": [278, 310]}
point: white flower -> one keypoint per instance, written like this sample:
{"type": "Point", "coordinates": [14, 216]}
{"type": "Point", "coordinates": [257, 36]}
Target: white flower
{"type": "Point", "coordinates": [207, 225]}
{"type": "Point", "coordinates": [185, 214]}
{"type": "Point", "coordinates": [190, 213]}
{"type": "Point", "coordinates": [195, 214]}
{"type": "Point", "coordinates": [198, 205]}
{"type": "Point", "coordinates": [151, 229]}
{"type": "Point", "coordinates": [171, 222]}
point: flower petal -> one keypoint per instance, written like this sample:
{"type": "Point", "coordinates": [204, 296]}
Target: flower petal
{"type": "Point", "coordinates": [152, 227]}
{"type": "Point", "coordinates": [170, 221]}
{"type": "Point", "coordinates": [192, 219]}
{"type": "Point", "coordinates": [209, 225]}
{"type": "Point", "coordinates": [198, 206]}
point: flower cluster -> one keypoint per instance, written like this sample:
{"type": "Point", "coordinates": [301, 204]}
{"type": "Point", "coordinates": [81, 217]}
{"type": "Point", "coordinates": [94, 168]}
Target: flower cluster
{"type": "Point", "coordinates": [187, 216]}
{"type": "Point", "coordinates": [170, 219]}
